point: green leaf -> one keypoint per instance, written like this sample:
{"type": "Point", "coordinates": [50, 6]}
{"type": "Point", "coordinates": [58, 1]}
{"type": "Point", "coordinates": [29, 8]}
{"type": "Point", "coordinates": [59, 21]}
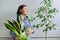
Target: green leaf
{"type": "Point", "coordinates": [34, 18]}
{"type": "Point", "coordinates": [41, 25]}
{"type": "Point", "coordinates": [33, 25]}
{"type": "Point", "coordinates": [10, 27]}
{"type": "Point", "coordinates": [51, 11]}
{"type": "Point", "coordinates": [36, 26]}
{"type": "Point", "coordinates": [45, 1]}
{"type": "Point", "coordinates": [49, 0]}
{"type": "Point", "coordinates": [26, 16]}
{"type": "Point", "coordinates": [14, 25]}
{"type": "Point", "coordinates": [53, 26]}
{"type": "Point", "coordinates": [41, 16]}
{"type": "Point", "coordinates": [45, 30]}
{"type": "Point", "coordinates": [44, 19]}
{"type": "Point", "coordinates": [41, 9]}
{"type": "Point", "coordinates": [19, 20]}
{"type": "Point", "coordinates": [10, 23]}
{"type": "Point", "coordinates": [30, 19]}
{"type": "Point", "coordinates": [50, 28]}
{"type": "Point", "coordinates": [50, 16]}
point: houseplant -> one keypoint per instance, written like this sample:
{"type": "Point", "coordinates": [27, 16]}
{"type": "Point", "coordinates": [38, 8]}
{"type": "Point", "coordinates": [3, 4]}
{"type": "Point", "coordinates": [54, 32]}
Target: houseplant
{"type": "Point", "coordinates": [45, 13]}
{"type": "Point", "coordinates": [15, 27]}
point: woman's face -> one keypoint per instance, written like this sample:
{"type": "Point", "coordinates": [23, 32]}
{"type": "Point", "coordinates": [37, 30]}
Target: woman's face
{"type": "Point", "coordinates": [24, 11]}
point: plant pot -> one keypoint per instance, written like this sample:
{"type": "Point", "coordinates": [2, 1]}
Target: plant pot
{"type": "Point", "coordinates": [21, 36]}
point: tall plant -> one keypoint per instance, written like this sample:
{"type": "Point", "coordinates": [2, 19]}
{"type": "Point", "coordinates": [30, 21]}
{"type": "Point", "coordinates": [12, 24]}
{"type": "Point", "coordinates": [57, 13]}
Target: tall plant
{"type": "Point", "coordinates": [15, 27]}
{"type": "Point", "coordinates": [45, 13]}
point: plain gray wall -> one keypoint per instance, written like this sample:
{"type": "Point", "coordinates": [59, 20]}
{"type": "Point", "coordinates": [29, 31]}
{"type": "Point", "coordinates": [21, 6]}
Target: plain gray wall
{"type": "Point", "coordinates": [8, 9]}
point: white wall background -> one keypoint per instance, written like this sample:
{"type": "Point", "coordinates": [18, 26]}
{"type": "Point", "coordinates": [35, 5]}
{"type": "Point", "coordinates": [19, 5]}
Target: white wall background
{"type": "Point", "coordinates": [8, 9]}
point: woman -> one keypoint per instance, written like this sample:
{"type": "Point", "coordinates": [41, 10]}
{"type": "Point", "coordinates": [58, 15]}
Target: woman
{"type": "Point", "coordinates": [23, 11]}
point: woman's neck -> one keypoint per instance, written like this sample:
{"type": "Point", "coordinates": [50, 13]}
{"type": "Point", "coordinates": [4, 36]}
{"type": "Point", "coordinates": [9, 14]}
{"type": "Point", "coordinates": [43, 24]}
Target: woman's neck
{"type": "Point", "coordinates": [23, 16]}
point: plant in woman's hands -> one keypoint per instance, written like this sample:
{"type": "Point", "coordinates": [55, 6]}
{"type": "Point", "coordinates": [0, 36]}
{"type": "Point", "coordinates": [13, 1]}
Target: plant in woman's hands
{"type": "Point", "coordinates": [15, 27]}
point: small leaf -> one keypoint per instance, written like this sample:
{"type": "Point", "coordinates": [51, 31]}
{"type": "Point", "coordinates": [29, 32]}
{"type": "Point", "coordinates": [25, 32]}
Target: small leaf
{"type": "Point", "coordinates": [44, 19]}
{"type": "Point", "coordinates": [46, 29]}
{"type": "Point", "coordinates": [26, 16]}
{"type": "Point", "coordinates": [45, 1]}
{"type": "Point", "coordinates": [33, 25]}
{"type": "Point", "coordinates": [50, 28]}
{"type": "Point", "coordinates": [43, 30]}
{"type": "Point", "coordinates": [41, 9]}
{"type": "Point", "coordinates": [41, 25]}
{"type": "Point", "coordinates": [34, 18]}
{"type": "Point", "coordinates": [37, 26]}
{"type": "Point", "coordinates": [49, 0]}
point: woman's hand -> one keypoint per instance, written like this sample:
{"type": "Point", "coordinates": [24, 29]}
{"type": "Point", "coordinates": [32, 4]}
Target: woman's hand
{"type": "Point", "coordinates": [29, 31]}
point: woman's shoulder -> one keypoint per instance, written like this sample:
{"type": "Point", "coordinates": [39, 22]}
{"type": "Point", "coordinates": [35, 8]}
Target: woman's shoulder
{"type": "Point", "coordinates": [14, 17]}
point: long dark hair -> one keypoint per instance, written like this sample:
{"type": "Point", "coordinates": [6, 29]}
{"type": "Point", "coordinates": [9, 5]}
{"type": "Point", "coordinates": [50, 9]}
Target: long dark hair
{"type": "Point", "coordinates": [20, 8]}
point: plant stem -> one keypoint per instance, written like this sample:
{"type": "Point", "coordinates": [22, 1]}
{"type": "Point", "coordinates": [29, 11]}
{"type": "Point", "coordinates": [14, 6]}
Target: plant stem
{"type": "Point", "coordinates": [45, 35]}
{"type": "Point", "coordinates": [46, 22]}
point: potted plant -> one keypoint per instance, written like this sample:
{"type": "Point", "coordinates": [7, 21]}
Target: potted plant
{"type": "Point", "coordinates": [45, 13]}
{"type": "Point", "coordinates": [15, 27]}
